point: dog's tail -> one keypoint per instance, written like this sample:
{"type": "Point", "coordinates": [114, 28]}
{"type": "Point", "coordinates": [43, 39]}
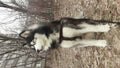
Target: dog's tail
{"type": "Point", "coordinates": [105, 21]}
{"type": "Point", "coordinates": [86, 20]}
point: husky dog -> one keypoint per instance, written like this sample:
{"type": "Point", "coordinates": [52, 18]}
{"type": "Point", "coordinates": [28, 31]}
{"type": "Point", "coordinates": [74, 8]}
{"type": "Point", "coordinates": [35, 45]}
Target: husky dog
{"type": "Point", "coordinates": [64, 32]}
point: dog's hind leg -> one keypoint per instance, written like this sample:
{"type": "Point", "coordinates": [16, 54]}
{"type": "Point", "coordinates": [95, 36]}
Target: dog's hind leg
{"type": "Point", "coordinates": [94, 28]}
{"type": "Point", "coordinates": [83, 43]}
{"type": "Point", "coordinates": [86, 28]}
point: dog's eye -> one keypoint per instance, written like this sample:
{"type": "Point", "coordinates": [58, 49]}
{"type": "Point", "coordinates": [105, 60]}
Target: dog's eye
{"type": "Point", "coordinates": [33, 47]}
{"type": "Point", "coordinates": [32, 43]}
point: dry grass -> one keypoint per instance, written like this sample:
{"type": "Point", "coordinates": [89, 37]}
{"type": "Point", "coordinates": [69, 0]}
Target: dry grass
{"type": "Point", "coordinates": [88, 57]}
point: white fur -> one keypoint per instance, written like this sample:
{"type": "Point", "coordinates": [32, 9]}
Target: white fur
{"type": "Point", "coordinates": [42, 41]}
{"type": "Point", "coordinates": [83, 43]}
{"type": "Point", "coordinates": [71, 32]}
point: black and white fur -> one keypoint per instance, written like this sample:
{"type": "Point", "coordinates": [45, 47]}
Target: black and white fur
{"type": "Point", "coordinates": [46, 36]}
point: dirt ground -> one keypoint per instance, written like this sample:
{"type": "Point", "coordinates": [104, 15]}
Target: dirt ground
{"type": "Point", "coordinates": [88, 57]}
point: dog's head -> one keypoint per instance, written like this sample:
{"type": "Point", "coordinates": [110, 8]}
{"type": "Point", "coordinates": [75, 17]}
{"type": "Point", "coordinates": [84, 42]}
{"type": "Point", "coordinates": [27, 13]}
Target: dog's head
{"type": "Point", "coordinates": [41, 37]}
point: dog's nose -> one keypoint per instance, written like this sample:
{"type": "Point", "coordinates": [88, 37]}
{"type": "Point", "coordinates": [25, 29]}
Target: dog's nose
{"type": "Point", "coordinates": [38, 51]}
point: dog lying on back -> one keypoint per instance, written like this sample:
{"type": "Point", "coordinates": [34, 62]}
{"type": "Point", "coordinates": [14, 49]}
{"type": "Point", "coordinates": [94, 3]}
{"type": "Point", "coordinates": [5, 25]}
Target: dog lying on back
{"type": "Point", "coordinates": [45, 36]}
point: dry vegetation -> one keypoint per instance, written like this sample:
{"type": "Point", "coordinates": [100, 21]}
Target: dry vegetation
{"type": "Point", "coordinates": [88, 57]}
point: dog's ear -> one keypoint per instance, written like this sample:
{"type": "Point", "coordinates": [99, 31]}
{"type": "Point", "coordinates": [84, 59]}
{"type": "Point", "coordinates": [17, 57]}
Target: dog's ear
{"type": "Point", "coordinates": [24, 34]}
